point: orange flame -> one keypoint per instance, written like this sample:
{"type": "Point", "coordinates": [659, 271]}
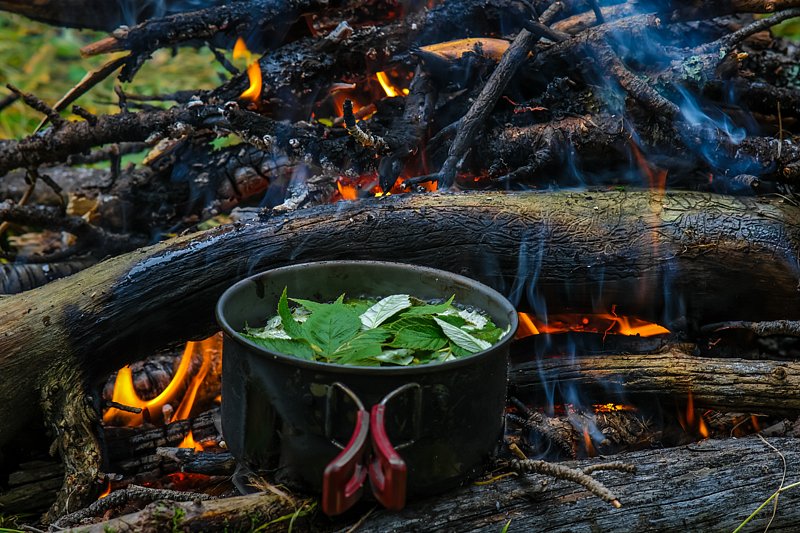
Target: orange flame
{"type": "Point", "coordinates": [253, 92]}
{"type": "Point", "coordinates": [606, 323]}
{"type": "Point", "coordinates": [189, 442]}
{"type": "Point", "coordinates": [390, 90]}
{"type": "Point", "coordinates": [690, 422]}
{"type": "Point", "coordinates": [656, 177]}
{"type": "Point", "coordinates": [105, 492]}
{"type": "Point", "coordinates": [176, 391]}
{"type": "Point", "coordinates": [587, 442]}
{"type": "Point", "coordinates": [612, 408]}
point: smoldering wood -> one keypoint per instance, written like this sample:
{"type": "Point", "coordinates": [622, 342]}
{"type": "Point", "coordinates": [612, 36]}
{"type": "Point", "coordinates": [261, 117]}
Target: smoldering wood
{"type": "Point", "coordinates": [556, 247]}
{"type": "Point", "coordinates": [369, 49]}
{"type": "Point", "coordinates": [665, 494]}
{"type": "Point", "coordinates": [758, 386]}
{"type": "Point", "coordinates": [527, 153]}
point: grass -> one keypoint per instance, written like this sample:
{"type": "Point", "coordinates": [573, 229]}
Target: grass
{"type": "Point", "coordinates": [46, 61]}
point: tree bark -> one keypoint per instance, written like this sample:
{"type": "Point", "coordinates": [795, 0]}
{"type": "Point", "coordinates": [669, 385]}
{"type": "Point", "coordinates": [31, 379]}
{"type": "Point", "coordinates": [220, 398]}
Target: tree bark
{"type": "Point", "coordinates": [768, 387]}
{"type": "Point", "coordinates": [720, 258]}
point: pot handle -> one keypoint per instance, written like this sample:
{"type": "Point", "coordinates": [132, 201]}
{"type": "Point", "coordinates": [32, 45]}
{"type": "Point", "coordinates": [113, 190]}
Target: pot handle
{"type": "Point", "coordinates": [343, 479]}
{"type": "Point", "coordinates": [387, 470]}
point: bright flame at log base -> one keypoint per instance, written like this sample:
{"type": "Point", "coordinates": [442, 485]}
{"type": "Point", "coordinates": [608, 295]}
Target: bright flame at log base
{"type": "Point", "coordinates": [177, 391]}
{"type": "Point", "coordinates": [605, 323]}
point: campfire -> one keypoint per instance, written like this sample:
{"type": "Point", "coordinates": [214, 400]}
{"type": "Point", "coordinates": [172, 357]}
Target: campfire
{"type": "Point", "coordinates": [624, 172]}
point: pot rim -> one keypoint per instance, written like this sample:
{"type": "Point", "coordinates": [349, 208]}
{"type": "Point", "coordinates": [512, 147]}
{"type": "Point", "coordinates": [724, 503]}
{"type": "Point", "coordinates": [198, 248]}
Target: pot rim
{"type": "Point", "coordinates": [367, 370]}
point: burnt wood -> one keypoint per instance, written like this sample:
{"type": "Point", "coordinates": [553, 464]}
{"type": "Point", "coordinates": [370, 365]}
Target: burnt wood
{"type": "Point", "coordinates": [767, 387]}
{"type": "Point", "coordinates": [708, 486]}
{"type": "Point", "coordinates": [721, 258]}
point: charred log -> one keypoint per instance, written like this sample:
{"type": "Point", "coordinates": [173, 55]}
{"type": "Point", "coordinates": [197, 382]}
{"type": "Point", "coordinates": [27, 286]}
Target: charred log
{"type": "Point", "coordinates": [745, 471]}
{"type": "Point", "coordinates": [569, 243]}
{"type": "Point", "coordinates": [768, 387]}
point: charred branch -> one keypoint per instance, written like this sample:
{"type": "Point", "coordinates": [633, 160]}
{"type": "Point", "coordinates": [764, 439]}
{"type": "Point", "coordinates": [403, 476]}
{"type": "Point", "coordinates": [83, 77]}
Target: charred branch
{"type": "Point", "coordinates": [236, 19]}
{"type": "Point", "coordinates": [726, 384]}
{"type": "Point", "coordinates": [75, 137]}
{"type": "Point", "coordinates": [95, 14]}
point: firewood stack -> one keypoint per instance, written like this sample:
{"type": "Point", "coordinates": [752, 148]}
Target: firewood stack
{"type": "Point", "coordinates": [347, 101]}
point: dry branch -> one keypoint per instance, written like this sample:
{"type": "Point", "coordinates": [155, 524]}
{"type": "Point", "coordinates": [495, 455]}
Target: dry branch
{"type": "Point", "coordinates": [758, 386]}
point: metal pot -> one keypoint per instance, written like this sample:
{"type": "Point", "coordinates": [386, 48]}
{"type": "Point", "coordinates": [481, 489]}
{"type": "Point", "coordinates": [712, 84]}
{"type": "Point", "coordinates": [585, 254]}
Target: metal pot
{"type": "Point", "coordinates": [432, 426]}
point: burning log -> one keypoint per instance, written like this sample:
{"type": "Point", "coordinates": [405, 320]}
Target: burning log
{"type": "Point", "coordinates": [540, 250]}
{"type": "Point", "coordinates": [768, 387]}
{"type": "Point", "coordinates": [747, 471]}
{"type": "Point", "coordinates": [81, 328]}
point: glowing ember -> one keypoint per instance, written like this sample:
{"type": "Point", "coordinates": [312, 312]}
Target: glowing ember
{"type": "Point", "coordinates": [189, 442]}
{"type": "Point", "coordinates": [175, 393]}
{"type": "Point", "coordinates": [105, 492]}
{"type": "Point", "coordinates": [485, 46]}
{"type": "Point", "coordinates": [605, 323]}
{"type": "Point", "coordinates": [612, 408]}
{"type": "Point", "coordinates": [253, 92]}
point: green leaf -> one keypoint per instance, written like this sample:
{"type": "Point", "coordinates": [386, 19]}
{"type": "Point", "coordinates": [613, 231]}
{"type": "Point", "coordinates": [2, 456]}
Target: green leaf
{"type": "Point", "coordinates": [290, 325]}
{"type": "Point", "coordinates": [365, 345]}
{"type": "Point", "coordinates": [457, 351]}
{"type": "Point", "coordinates": [399, 356]}
{"type": "Point", "coordinates": [308, 304]}
{"type": "Point", "coordinates": [330, 326]}
{"type": "Point", "coordinates": [360, 306]}
{"type": "Point", "coordinates": [418, 333]}
{"type": "Point", "coordinates": [296, 348]}
{"type": "Point", "coordinates": [385, 309]}
{"type": "Point", "coordinates": [489, 334]}
{"type": "Point", "coordinates": [474, 318]}
{"type": "Point", "coordinates": [461, 338]}
{"type": "Point", "coordinates": [453, 320]}
{"type": "Point", "coordinates": [430, 309]}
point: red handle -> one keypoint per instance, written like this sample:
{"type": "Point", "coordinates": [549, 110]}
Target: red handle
{"type": "Point", "coordinates": [343, 479]}
{"type": "Point", "coordinates": [387, 470]}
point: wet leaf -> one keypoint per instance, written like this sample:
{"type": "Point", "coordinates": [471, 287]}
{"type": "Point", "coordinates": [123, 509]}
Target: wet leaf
{"type": "Point", "coordinates": [330, 326]}
{"type": "Point", "coordinates": [461, 338]}
{"type": "Point", "coordinates": [385, 309]}
{"type": "Point", "coordinates": [292, 347]}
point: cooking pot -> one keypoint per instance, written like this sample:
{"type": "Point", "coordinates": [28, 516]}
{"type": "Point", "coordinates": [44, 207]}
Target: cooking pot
{"type": "Point", "coordinates": [414, 430]}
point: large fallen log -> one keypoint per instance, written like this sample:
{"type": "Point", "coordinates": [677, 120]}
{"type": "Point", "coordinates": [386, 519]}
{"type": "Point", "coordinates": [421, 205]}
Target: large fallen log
{"type": "Point", "coordinates": [768, 387]}
{"type": "Point", "coordinates": [710, 486]}
{"type": "Point", "coordinates": [639, 250]}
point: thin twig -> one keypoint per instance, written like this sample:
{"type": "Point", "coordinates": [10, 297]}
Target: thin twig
{"type": "Point", "coordinates": [783, 480]}
{"type": "Point", "coordinates": [568, 474]}
{"type": "Point", "coordinates": [37, 104]}
{"type": "Point", "coordinates": [121, 497]}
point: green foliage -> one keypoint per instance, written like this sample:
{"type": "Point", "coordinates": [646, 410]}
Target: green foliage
{"type": "Point", "coordinates": [46, 61]}
{"type": "Point", "coordinates": [396, 330]}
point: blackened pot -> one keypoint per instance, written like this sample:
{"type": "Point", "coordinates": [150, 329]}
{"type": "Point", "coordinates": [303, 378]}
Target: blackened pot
{"type": "Point", "coordinates": [283, 414]}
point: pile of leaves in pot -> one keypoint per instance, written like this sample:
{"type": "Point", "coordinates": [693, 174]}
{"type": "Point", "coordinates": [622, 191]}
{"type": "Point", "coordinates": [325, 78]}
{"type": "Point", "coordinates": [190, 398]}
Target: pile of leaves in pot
{"type": "Point", "coordinates": [395, 330]}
